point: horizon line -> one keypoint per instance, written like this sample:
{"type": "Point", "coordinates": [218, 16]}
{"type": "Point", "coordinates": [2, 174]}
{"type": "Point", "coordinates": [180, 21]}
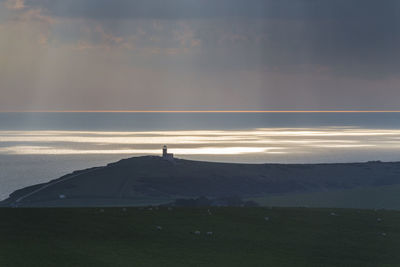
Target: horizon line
{"type": "Point", "coordinates": [201, 111]}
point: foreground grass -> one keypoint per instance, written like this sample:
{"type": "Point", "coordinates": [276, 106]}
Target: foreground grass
{"type": "Point", "coordinates": [241, 237]}
{"type": "Point", "coordinates": [360, 198]}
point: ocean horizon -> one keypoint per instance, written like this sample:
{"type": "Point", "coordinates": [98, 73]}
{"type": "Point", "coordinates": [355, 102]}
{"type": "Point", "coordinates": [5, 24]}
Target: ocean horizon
{"type": "Point", "coordinates": [36, 147]}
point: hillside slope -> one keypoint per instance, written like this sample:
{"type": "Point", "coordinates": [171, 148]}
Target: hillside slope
{"type": "Point", "coordinates": [365, 197]}
{"type": "Point", "coordinates": [140, 179]}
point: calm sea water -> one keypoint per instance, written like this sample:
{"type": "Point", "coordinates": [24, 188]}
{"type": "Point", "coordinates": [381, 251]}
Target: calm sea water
{"type": "Point", "coordinates": [191, 121]}
{"type": "Point", "coordinates": [37, 147]}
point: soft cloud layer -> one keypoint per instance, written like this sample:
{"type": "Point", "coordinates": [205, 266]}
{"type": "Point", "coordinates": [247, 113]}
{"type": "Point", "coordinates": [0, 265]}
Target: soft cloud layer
{"type": "Point", "coordinates": [175, 9]}
{"type": "Point", "coordinates": [14, 4]}
{"type": "Point", "coordinates": [184, 54]}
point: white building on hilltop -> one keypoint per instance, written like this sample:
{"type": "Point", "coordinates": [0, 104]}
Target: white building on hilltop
{"type": "Point", "coordinates": [166, 155]}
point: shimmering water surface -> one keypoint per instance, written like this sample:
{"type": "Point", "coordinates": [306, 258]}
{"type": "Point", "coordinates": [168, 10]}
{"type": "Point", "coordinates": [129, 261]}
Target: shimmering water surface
{"type": "Point", "coordinates": [36, 147]}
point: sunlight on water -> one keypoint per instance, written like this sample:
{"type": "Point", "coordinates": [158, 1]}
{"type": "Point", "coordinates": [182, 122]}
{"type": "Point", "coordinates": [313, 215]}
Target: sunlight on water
{"type": "Point", "coordinates": [31, 157]}
{"type": "Point", "coordinates": [263, 141]}
{"type": "Point", "coordinates": [32, 150]}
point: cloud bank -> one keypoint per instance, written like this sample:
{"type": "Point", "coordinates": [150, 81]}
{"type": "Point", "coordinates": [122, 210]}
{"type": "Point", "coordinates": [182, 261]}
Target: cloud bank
{"type": "Point", "coordinates": [220, 54]}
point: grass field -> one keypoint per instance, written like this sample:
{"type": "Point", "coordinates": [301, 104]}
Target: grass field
{"type": "Point", "coordinates": [360, 198]}
{"type": "Point", "coordinates": [241, 237]}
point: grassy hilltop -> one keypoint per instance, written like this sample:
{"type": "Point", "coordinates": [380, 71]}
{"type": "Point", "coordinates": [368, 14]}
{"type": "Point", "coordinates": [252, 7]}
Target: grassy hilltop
{"type": "Point", "coordinates": [151, 180]}
{"type": "Point", "coordinates": [241, 237]}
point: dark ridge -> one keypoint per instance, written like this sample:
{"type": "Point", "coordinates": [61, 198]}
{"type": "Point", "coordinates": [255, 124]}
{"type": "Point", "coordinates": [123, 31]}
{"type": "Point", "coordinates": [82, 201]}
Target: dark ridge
{"type": "Point", "coordinates": [152, 179]}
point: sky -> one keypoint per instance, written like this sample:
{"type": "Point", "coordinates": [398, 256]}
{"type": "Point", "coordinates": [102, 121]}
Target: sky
{"type": "Point", "coordinates": [199, 55]}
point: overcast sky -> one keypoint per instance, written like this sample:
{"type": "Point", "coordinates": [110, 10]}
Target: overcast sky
{"type": "Point", "coordinates": [199, 54]}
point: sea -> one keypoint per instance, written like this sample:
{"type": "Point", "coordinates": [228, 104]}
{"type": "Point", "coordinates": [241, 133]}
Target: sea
{"type": "Point", "coordinates": [37, 147]}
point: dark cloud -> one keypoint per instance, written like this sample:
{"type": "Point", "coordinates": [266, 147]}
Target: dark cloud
{"type": "Point", "coordinates": [351, 37]}
{"type": "Point", "coordinates": [173, 9]}
{"type": "Point", "coordinates": [292, 53]}
{"type": "Point", "coordinates": [327, 32]}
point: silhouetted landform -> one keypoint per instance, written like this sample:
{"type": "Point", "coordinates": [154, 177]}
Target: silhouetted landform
{"type": "Point", "coordinates": [154, 180]}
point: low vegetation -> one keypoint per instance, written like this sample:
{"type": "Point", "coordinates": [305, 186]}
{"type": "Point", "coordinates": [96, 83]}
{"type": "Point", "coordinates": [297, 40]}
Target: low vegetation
{"type": "Point", "coordinates": [209, 236]}
{"type": "Point", "coordinates": [360, 198]}
{"type": "Point", "coordinates": [153, 180]}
